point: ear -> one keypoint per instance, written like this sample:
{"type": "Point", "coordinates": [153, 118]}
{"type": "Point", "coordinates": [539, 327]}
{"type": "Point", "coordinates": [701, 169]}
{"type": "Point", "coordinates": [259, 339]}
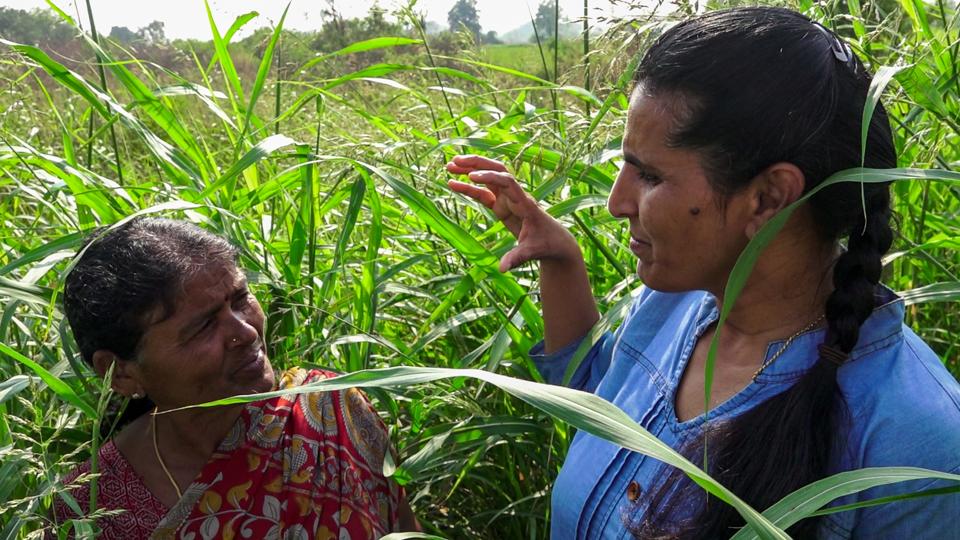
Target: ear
{"type": "Point", "coordinates": [125, 379]}
{"type": "Point", "coordinates": [775, 188]}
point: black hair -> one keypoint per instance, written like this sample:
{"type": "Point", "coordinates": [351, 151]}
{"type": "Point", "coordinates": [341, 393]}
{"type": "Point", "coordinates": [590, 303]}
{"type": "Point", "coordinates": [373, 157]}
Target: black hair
{"type": "Point", "coordinates": [758, 86]}
{"type": "Point", "coordinates": [130, 276]}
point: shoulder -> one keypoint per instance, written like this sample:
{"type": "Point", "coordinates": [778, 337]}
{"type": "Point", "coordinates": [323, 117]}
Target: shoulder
{"type": "Point", "coordinates": [346, 415]}
{"type": "Point", "coordinates": [656, 318]}
{"type": "Point", "coordinates": [904, 406]}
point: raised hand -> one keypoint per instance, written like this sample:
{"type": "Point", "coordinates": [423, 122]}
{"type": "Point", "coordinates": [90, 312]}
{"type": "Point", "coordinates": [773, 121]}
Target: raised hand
{"type": "Point", "coordinates": [539, 235]}
{"type": "Point", "coordinates": [569, 310]}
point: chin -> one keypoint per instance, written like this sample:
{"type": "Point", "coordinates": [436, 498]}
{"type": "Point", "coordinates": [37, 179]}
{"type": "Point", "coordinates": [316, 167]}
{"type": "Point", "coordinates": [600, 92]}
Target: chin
{"type": "Point", "coordinates": [268, 381]}
{"type": "Point", "coordinates": [656, 281]}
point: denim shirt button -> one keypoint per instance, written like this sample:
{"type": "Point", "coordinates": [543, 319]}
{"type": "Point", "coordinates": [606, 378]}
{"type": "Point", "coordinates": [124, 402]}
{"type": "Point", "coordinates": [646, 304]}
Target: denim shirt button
{"type": "Point", "coordinates": [633, 491]}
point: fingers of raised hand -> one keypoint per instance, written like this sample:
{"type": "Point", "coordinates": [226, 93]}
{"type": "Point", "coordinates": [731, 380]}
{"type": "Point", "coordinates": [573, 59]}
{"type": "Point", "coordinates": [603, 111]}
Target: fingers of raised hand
{"type": "Point", "coordinates": [464, 164]}
{"type": "Point", "coordinates": [480, 194]}
{"type": "Point", "coordinates": [503, 183]}
{"type": "Point", "coordinates": [517, 256]}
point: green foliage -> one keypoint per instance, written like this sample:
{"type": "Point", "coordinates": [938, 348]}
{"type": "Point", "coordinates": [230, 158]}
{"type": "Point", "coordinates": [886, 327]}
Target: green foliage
{"type": "Point", "coordinates": [35, 27]}
{"type": "Point", "coordinates": [320, 155]}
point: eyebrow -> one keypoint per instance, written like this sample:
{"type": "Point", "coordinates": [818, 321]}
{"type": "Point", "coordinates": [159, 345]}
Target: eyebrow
{"type": "Point", "coordinates": [638, 163]}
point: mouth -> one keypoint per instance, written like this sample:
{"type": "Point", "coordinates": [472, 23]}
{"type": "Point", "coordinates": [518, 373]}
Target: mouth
{"type": "Point", "coordinates": [638, 246]}
{"type": "Point", "coordinates": [253, 362]}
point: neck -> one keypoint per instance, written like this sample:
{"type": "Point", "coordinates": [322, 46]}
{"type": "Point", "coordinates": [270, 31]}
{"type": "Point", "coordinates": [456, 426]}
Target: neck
{"type": "Point", "coordinates": [788, 287]}
{"type": "Point", "coordinates": [193, 435]}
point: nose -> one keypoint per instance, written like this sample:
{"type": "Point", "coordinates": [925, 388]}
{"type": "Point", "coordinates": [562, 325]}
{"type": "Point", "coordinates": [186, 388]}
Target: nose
{"type": "Point", "coordinates": [622, 202]}
{"type": "Point", "coordinates": [243, 331]}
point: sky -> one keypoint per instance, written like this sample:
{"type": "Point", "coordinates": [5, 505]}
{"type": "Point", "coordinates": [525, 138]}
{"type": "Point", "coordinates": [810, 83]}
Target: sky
{"type": "Point", "coordinates": [187, 18]}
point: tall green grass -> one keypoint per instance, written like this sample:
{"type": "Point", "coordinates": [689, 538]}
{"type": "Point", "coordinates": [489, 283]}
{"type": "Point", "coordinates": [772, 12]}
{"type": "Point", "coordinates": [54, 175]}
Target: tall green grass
{"type": "Point", "coordinates": [333, 187]}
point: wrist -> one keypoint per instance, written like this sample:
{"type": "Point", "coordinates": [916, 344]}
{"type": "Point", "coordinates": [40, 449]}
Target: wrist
{"type": "Point", "coordinates": [566, 254]}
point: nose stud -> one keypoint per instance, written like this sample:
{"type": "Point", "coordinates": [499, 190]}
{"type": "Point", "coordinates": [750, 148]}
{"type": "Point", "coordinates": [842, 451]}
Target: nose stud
{"type": "Point", "coordinates": [234, 340]}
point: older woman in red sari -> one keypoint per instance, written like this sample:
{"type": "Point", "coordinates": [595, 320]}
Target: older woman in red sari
{"type": "Point", "coordinates": [162, 306]}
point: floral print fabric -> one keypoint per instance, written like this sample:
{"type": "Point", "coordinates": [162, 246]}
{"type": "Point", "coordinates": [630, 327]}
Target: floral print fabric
{"type": "Point", "coordinates": [304, 466]}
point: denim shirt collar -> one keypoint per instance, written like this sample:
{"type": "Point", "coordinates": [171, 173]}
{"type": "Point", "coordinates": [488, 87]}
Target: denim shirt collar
{"type": "Point", "coordinates": [884, 326]}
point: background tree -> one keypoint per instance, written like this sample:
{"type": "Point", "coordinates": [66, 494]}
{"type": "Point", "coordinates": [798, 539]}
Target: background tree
{"type": "Point", "coordinates": [463, 16]}
{"type": "Point", "coordinates": [545, 19]}
{"type": "Point", "coordinates": [490, 38]}
{"type": "Point", "coordinates": [35, 27]}
{"type": "Point", "coordinates": [153, 33]}
{"type": "Point", "coordinates": [122, 34]}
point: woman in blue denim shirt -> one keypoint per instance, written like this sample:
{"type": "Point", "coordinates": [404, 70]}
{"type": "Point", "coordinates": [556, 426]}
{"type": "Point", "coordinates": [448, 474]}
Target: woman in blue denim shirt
{"type": "Point", "coordinates": [735, 115]}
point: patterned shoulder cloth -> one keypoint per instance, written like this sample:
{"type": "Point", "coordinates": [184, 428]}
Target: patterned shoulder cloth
{"type": "Point", "coordinates": [295, 467]}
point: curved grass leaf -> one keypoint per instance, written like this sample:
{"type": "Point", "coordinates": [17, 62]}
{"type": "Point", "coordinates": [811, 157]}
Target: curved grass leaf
{"type": "Point", "coordinates": [584, 411]}
{"type": "Point", "coordinates": [748, 258]}
{"type": "Point", "coordinates": [155, 108]}
{"type": "Point", "coordinates": [13, 385]}
{"type": "Point", "coordinates": [593, 414]}
{"type": "Point", "coordinates": [223, 55]}
{"type": "Point", "coordinates": [948, 291]}
{"type": "Point", "coordinates": [364, 46]}
{"type": "Point", "coordinates": [810, 498]}
{"type": "Point", "coordinates": [60, 388]}
{"type": "Point", "coordinates": [576, 204]}
{"type": "Point", "coordinates": [172, 159]}
{"type": "Point", "coordinates": [238, 23]}
{"type": "Point", "coordinates": [260, 151]}
{"type": "Point", "coordinates": [261, 78]}
{"type": "Point", "coordinates": [26, 292]}
{"type": "Point", "coordinates": [884, 500]}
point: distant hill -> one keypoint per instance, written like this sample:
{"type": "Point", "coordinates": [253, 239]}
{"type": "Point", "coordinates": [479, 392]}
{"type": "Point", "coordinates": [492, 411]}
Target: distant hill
{"type": "Point", "coordinates": [524, 32]}
{"type": "Point", "coordinates": [519, 35]}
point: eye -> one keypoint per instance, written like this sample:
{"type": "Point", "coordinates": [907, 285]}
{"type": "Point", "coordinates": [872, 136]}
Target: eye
{"type": "Point", "coordinates": [648, 177]}
{"type": "Point", "coordinates": [241, 299]}
{"type": "Point", "coordinates": [207, 325]}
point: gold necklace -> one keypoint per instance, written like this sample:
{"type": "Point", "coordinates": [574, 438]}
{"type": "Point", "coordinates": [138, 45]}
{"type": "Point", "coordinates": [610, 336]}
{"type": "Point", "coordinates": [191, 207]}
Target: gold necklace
{"type": "Point", "coordinates": [156, 450]}
{"type": "Point", "coordinates": [786, 344]}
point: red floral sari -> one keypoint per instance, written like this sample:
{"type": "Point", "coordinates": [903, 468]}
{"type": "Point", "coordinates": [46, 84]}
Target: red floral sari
{"type": "Point", "coordinates": [293, 467]}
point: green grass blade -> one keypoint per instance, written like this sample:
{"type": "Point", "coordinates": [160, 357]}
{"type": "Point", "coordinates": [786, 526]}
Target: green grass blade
{"type": "Point", "coordinates": [584, 411]}
{"type": "Point", "coordinates": [363, 46]}
{"type": "Point", "coordinates": [60, 388]}
{"type": "Point", "coordinates": [748, 257]}
{"type": "Point", "coordinates": [260, 151]}
{"type": "Point", "coordinates": [935, 292]}
{"type": "Point", "coordinates": [223, 57]}
{"type": "Point", "coordinates": [810, 498]}
{"type": "Point", "coordinates": [238, 23]}
{"type": "Point", "coordinates": [155, 108]}
{"type": "Point", "coordinates": [261, 79]}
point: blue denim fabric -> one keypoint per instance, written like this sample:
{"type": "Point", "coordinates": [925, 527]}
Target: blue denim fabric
{"type": "Point", "coordinates": [904, 410]}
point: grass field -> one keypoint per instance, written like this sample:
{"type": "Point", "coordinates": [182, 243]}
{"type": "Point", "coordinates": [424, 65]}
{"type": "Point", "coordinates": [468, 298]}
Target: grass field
{"type": "Point", "coordinates": [331, 182]}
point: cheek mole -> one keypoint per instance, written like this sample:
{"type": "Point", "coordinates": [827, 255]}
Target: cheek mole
{"type": "Point", "coordinates": [694, 211]}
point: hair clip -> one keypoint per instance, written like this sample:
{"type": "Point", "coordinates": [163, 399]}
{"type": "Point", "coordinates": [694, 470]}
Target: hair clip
{"type": "Point", "coordinates": [832, 354]}
{"type": "Point", "coordinates": [840, 49]}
